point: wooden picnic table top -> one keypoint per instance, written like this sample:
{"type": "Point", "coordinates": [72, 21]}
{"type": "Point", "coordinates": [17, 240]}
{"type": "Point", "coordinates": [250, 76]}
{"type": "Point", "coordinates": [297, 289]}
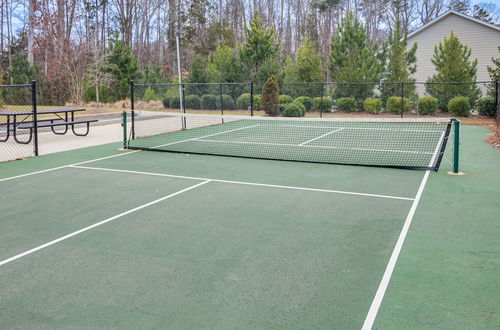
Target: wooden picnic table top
{"type": "Point", "coordinates": [40, 112]}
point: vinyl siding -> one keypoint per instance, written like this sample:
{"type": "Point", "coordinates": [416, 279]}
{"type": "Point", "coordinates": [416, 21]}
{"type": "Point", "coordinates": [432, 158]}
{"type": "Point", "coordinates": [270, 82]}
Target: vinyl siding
{"type": "Point", "coordinates": [483, 41]}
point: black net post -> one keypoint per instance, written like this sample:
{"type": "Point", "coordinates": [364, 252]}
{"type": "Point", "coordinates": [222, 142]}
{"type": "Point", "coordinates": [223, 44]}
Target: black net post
{"type": "Point", "coordinates": [251, 98]}
{"type": "Point", "coordinates": [402, 99]}
{"type": "Point", "coordinates": [35, 119]}
{"type": "Point", "coordinates": [132, 107]}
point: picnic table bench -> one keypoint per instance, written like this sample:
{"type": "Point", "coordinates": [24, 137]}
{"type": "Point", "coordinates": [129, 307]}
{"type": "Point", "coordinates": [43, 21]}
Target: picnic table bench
{"type": "Point", "coordinates": [22, 120]}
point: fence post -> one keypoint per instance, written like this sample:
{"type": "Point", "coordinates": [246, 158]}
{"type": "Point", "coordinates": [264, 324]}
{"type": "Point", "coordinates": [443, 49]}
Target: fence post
{"type": "Point", "coordinates": [251, 98]}
{"type": "Point", "coordinates": [35, 118]}
{"type": "Point", "coordinates": [183, 104]}
{"type": "Point", "coordinates": [221, 102]}
{"type": "Point", "coordinates": [321, 101]}
{"type": "Point", "coordinates": [132, 108]}
{"type": "Point", "coordinates": [497, 99]}
{"type": "Point", "coordinates": [402, 99]}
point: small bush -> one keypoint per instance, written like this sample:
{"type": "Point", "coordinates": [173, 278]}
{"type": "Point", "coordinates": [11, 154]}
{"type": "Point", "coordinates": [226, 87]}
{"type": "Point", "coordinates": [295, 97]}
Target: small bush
{"type": "Point", "coordinates": [427, 105]}
{"type": "Point", "coordinates": [347, 104]}
{"type": "Point", "coordinates": [294, 109]}
{"type": "Point", "coordinates": [306, 101]}
{"type": "Point", "coordinates": [227, 102]}
{"type": "Point", "coordinates": [394, 104]}
{"type": "Point", "coordinates": [193, 102]}
{"type": "Point", "coordinates": [166, 101]}
{"type": "Point", "coordinates": [149, 95]}
{"type": "Point", "coordinates": [372, 105]}
{"type": "Point", "coordinates": [175, 102]}
{"type": "Point", "coordinates": [459, 106]}
{"type": "Point", "coordinates": [323, 104]}
{"type": "Point", "coordinates": [243, 101]}
{"type": "Point", "coordinates": [256, 101]}
{"type": "Point", "coordinates": [285, 99]}
{"type": "Point", "coordinates": [487, 106]}
{"type": "Point", "coordinates": [209, 102]}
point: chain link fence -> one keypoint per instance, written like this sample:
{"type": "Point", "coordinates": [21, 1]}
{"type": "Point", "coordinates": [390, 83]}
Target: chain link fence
{"type": "Point", "coordinates": [392, 99]}
{"type": "Point", "coordinates": [17, 107]}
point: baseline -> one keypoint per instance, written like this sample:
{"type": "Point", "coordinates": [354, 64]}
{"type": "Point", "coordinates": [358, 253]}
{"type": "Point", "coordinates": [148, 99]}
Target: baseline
{"type": "Point", "coordinates": [245, 183]}
{"type": "Point", "coordinates": [100, 223]}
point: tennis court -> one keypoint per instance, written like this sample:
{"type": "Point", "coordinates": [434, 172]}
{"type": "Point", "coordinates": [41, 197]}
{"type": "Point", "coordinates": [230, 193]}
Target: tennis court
{"type": "Point", "coordinates": [138, 239]}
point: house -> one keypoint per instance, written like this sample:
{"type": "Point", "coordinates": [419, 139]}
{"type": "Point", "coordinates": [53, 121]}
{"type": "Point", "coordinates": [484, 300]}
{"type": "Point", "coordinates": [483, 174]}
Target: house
{"type": "Point", "coordinates": [483, 39]}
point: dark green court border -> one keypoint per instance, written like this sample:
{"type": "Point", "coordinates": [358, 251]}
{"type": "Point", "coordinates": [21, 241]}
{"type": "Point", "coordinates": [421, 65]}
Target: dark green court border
{"type": "Point", "coordinates": [455, 288]}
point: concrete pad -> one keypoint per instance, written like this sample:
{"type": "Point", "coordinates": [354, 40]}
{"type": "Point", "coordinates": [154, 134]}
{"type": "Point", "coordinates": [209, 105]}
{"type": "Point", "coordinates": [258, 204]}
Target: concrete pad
{"type": "Point", "coordinates": [49, 142]}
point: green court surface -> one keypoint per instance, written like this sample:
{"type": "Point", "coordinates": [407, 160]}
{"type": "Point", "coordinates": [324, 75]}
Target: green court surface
{"type": "Point", "coordinates": [101, 238]}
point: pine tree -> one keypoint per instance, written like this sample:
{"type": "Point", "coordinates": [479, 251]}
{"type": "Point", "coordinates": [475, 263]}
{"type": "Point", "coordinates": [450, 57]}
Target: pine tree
{"type": "Point", "coordinates": [306, 68]}
{"type": "Point", "coordinates": [225, 66]}
{"type": "Point", "coordinates": [20, 72]}
{"type": "Point", "coordinates": [198, 74]}
{"type": "Point", "coordinates": [351, 60]}
{"type": "Point", "coordinates": [270, 97]}
{"type": "Point", "coordinates": [400, 65]}
{"type": "Point", "coordinates": [260, 45]}
{"type": "Point", "coordinates": [123, 66]}
{"type": "Point", "coordinates": [452, 61]}
{"type": "Point", "coordinates": [494, 72]}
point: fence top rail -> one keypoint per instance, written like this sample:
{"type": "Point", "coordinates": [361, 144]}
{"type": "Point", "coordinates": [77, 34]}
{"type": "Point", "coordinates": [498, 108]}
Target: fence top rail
{"type": "Point", "coordinates": [16, 85]}
{"type": "Point", "coordinates": [311, 83]}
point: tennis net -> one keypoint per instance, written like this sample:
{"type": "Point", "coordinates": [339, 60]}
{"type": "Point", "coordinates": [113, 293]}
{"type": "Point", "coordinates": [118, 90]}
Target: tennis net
{"type": "Point", "coordinates": [413, 143]}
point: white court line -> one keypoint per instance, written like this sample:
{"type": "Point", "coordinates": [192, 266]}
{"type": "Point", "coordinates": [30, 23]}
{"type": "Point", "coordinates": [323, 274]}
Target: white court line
{"type": "Point", "coordinates": [64, 166]}
{"type": "Point", "coordinates": [321, 136]}
{"type": "Point", "coordinates": [205, 136]}
{"type": "Point", "coordinates": [100, 223]}
{"type": "Point", "coordinates": [245, 183]}
{"type": "Point", "coordinates": [437, 149]}
{"type": "Point", "coordinates": [379, 295]}
{"type": "Point", "coordinates": [313, 146]}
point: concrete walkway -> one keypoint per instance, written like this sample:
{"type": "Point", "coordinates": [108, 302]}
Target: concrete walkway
{"type": "Point", "coordinates": [100, 134]}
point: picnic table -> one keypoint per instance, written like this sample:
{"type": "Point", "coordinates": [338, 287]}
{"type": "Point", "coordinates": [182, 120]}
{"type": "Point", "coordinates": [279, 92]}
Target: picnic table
{"type": "Point", "coordinates": [23, 120]}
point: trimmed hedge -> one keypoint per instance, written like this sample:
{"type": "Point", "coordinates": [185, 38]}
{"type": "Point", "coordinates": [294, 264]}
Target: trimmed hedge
{"type": "Point", "coordinates": [459, 106]}
{"type": "Point", "coordinates": [175, 102]}
{"type": "Point", "coordinates": [347, 104]}
{"type": "Point", "coordinates": [193, 102]}
{"type": "Point", "coordinates": [394, 104]}
{"type": "Point", "coordinates": [285, 99]}
{"type": "Point", "coordinates": [166, 101]}
{"type": "Point", "coordinates": [306, 101]}
{"type": "Point", "coordinates": [243, 101]}
{"type": "Point", "coordinates": [294, 109]}
{"type": "Point", "coordinates": [227, 102]}
{"type": "Point", "coordinates": [209, 102]}
{"type": "Point", "coordinates": [323, 104]}
{"type": "Point", "coordinates": [372, 105]}
{"type": "Point", "coordinates": [487, 106]}
{"type": "Point", "coordinates": [427, 105]}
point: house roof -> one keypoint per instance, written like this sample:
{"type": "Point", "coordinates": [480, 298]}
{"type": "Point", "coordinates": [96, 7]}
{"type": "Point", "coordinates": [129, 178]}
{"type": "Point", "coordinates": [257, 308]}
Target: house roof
{"type": "Point", "coordinates": [453, 12]}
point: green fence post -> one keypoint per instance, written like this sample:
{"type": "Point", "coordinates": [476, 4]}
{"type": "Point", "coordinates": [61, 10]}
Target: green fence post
{"type": "Point", "coordinates": [456, 145]}
{"type": "Point", "coordinates": [124, 124]}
